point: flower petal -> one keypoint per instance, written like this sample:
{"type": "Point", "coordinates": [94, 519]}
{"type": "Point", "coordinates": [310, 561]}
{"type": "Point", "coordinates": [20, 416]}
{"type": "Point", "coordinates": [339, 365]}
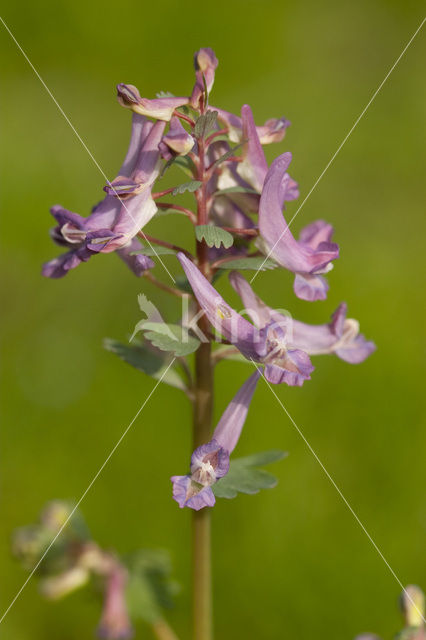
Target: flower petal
{"type": "Point", "coordinates": [295, 256]}
{"type": "Point", "coordinates": [205, 63]}
{"type": "Point", "coordinates": [159, 108]}
{"type": "Point", "coordinates": [230, 425]}
{"type": "Point", "coordinates": [188, 494]}
{"type": "Point", "coordinates": [224, 319]}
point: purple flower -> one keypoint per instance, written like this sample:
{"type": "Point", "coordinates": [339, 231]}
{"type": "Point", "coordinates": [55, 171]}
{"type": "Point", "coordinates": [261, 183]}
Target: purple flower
{"type": "Point", "coordinates": [205, 63]}
{"type": "Point", "coordinates": [311, 255]}
{"type": "Point", "coordinates": [115, 622]}
{"type": "Point", "coordinates": [116, 220]}
{"type": "Point", "coordinates": [341, 336]}
{"type": "Point", "coordinates": [254, 166]}
{"type": "Point", "coordinates": [210, 462]}
{"type": "Point", "coordinates": [177, 142]}
{"type": "Point", "coordinates": [159, 108]}
{"type": "Point", "coordinates": [267, 345]}
{"type": "Point", "coordinates": [137, 262]}
{"type": "Point", "coordinates": [272, 131]}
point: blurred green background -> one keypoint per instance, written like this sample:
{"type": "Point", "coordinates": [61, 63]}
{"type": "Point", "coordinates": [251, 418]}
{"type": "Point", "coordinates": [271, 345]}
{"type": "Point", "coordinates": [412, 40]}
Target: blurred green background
{"type": "Point", "coordinates": [292, 562]}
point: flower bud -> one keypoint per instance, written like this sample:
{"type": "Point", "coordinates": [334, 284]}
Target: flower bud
{"type": "Point", "coordinates": [412, 604]}
{"type": "Point", "coordinates": [160, 108]}
{"type": "Point", "coordinates": [178, 140]}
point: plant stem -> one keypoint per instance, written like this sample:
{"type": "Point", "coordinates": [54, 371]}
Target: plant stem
{"type": "Point", "coordinates": [202, 423]}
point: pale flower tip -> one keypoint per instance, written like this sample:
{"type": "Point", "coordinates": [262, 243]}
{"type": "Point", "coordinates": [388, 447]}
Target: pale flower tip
{"type": "Point", "coordinates": [412, 604]}
{"type": "Point", "coordinates": [204, 59]}
{"type": "Point", "coordinates": [128, 95]}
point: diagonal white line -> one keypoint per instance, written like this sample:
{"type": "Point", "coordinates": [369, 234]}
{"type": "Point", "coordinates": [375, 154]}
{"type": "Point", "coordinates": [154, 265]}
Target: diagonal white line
{"type": "Point", "coordinates": [299, 431]}
{"type": "Point", "coordinates": [335, 154]}
{"type": "Point", "coordinates": [82, 141]}
{"type": "Point", "coordinates": [84, 494]}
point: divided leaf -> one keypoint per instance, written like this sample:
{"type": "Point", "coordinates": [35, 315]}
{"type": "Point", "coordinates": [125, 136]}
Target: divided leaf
{"type": "Point", "coordinates": [228, 154]}
{"type": "Point", "coordinates": [187, 186]}
{"type": "Point", "coordinates": [254, 263]}
{"type": "Point", "coordinates": [205, 124]}
{"type": "Point", "coordinates": [150, 588]}
{"type": "Point", "coordinates": [164, 94]}
{"type": "Point", "coordinates": [214, 236]}
{"type": "Point", "coordinates": [142, 358]}
{"type": "Point", "coordinates": [170, 337]}
{"type": "Point", "coordinates": [183, 162]}
{"type": "Point", "coordinates": [245, 477]}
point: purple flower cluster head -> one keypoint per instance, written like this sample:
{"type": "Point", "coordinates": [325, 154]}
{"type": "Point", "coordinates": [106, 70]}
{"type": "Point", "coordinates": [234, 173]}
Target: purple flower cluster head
{"type": "Point", "coordinates": [239, 225]}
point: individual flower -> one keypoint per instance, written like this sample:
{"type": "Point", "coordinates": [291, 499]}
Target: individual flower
{"type": "Point", "coordinates": [267, 345]}
{"type": "Point", "coordinates": [115, 221]}
{"type": "Point", "coordinates": [254, 166]}
{"type": "Point", "coordinates": [210, 461]}
{"type": "Point", "coordinates": [340, 336]}
{"type": "Point", "coordinates": [115, 622]}
{"type": "Point", "coordinates": [308, 257]}
{"type": "Point", "coordinates": [177, 142]}
{"type": "Point", "coordinates": [159, 108]}
{"type": "Point", "coordinates": [205, 63]}
{"type": "Point", "coordinates": [273, 130]}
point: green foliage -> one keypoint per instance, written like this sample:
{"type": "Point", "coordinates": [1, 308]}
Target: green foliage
{"type": "Point", "coordinates": [170, 337]}
{"type": "Point", "coordinates": [245, 477]}
{"type": "Point", "coordinates": [236, 190]}
{"type": "Point", "coordinates": [144, 359]}
{"type": "Point", "coordinates": [150, 588]}
{"type": "Point", "coordinates": [228, 154]}
{"type": "Point", "coordinates": [205, 124]}
{"type": "Point", "coordinates": [214, 236]}
{"type": "Point", "coordinates": [183, 162]}
{"type": "Point", "coordinates": [191, 186]}
{"type": "Point", "coordinates": [254, 263]}
{"type": "Point", "coordinates": [164, 94]}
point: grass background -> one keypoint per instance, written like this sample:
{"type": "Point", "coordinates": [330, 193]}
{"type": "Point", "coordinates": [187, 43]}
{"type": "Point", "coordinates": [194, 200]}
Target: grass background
{"type": "Point", "coordinates": [292, 562]}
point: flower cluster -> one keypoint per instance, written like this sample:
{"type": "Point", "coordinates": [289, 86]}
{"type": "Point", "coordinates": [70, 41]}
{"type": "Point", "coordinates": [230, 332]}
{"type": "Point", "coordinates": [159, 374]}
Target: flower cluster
{"type": "Point", "coordinates": [137, 585]}
{"type": "Point", "coordinates": [239, 225]}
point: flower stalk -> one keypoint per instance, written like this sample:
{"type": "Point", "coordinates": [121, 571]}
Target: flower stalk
{"type": "Point", "coordinates": [202, 426]}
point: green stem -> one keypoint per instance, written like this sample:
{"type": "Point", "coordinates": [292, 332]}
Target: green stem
{"type": "Point", "coordinates": [202, 423]}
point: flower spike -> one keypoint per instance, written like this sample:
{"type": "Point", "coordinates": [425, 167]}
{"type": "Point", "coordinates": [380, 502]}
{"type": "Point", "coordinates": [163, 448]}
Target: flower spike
{"type": "Point", "coordinates": [210, 462]}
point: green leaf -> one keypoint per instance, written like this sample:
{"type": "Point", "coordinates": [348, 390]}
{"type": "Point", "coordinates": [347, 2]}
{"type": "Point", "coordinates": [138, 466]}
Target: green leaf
{"type": "Point", "coordinates": [214, 236]}
{"type": "Point", "coordinates": [187, 186]}
{"type": "Point", "coordinates": [205, 124]}
{"type": "Point", "coordinates": [144, 359]}
{"type": "Point", "coordinates": [170, 337]}
{"type": "Point", "coordinates": [254, 263]}
{"type": "Point", "coordinates": [183, 162]}
{"type": "Point", "coordinates": [228, 154]}
{"type": "Point", "coordinates": [164, 94]}
{"type": "Point", "coordinates": [236, 190]}
{"type": "Point", "coordinates": [244, 476]}
{"type": "Point", "coordinates": [154, 251]}
{"type": "Point", "coordinates": [150, 588]}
